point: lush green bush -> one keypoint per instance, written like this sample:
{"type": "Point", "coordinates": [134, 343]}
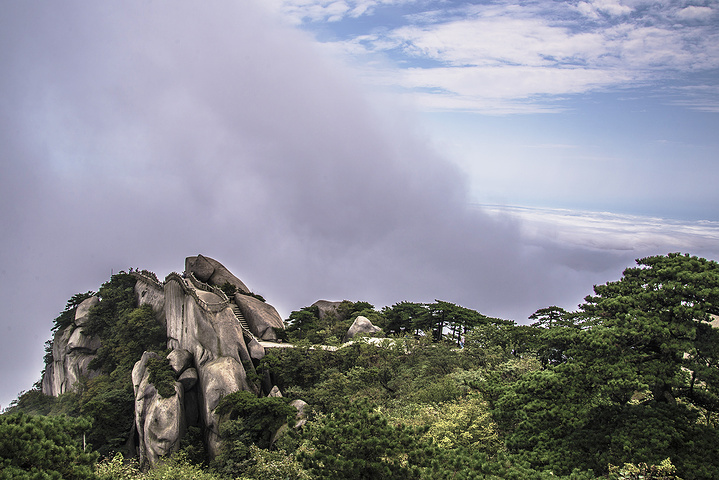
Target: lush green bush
{"type": "Point", "coordinates": [176, 467]}
{"type": "Point", "coordinates": [248, 420]}
{"type": "Point", "coordinates": [162, 376]}
{"type": "Point", "coordinates": [358, 443]}
{"type": "Point", "coordinates": [263, 464]}
{"type": "Point", "coordinates": [41, 447]}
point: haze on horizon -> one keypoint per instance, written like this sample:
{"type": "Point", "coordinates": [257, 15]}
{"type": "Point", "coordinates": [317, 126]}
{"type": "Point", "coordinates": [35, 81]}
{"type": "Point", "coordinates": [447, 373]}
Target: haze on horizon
{"type": "Point", "coordinates": [331, 150]}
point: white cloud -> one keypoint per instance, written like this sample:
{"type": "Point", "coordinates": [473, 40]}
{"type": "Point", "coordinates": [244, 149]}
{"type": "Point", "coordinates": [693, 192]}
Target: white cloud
{"type": "Point", "coordinates": [303, 11]}
{"type": "Point", "coordinates": [694, 12]}
{"type": "Point", "coordinates": [594, 8]}
{"type": "Point", "coordinates": [469, 56]}
{"type": "Point", "coordinates": [498, 40]}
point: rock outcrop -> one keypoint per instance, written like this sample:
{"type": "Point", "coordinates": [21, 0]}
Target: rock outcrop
{"type": "Point", "coordinates": [160, 421]}
{"type": "Point", "coordinates": [214, 342]}
{"type": "Point", "coordinates": [326, 307]}
{"type": "Point", "coordinates": [213, 272]}
{"type": "Point", "coordinates": [359, 326]}
{"type": "Point", "coordinates": [72, 352]}
{"type": "Point", "coordinates": [261, 317]}
{"type": "Point", "coordinates": [202, 326]}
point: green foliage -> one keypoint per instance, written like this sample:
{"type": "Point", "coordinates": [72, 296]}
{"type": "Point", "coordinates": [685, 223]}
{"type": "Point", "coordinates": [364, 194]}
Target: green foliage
{"type": "Point", "coordinates": [631, 379]}
{"type": "Point", "coordinates": [466, 423]}
{"type": "Point", "coordinates": [305, 324]}
{"type": "Point", "coordinates": [273, 465]}
{"type": "Point", "coordinates": [302, 322]}
{"type": "Point", "coordinates": [440, 320]}
{"type": "Point", "coordinates": [664, 471]}
{"type": "Point", "coordinates": [40, 447]}
{"type": "Point", "coordinates": [404, 370]}
{"type": "Point", "coordinates": [109, 400]}
{"type": "Point", "coordinates": [192, 446]}
{"type": "Point", "coordinates": [248, 420]}
{"type": "Point", "coordinates": [490, 345]}
{"type": "Point", "coordinates": [162, 376]}
{"type": "Point", "coordinates": [402, 318]}
{"type": "Point", "coordinates": [118, 468]}
{"type": "Point", "coordinates": [126, 336]}
{"type": "Point", "coordinates": [68, 315]}
{"type": "Point", "coordinates": [177, 467]}
{"type": "Point", "coordinates": [360, 444]}
{"type": "Point", "coordinates": [228, 288]}
{"type": "Point", "coordinates": [549, 317]}
{"type": "Point", "coordinates": [650, 320]}
{"type": "Point", "coordinates": [34, 402]}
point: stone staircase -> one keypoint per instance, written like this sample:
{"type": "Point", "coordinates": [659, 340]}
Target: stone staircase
{"type": "Point", "coordinates": [243, 323]}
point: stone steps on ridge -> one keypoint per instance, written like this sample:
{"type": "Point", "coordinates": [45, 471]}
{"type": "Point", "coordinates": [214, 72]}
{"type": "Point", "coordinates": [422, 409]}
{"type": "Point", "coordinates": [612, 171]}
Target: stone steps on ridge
{"type": "Point", "coordinates": [241, 318]}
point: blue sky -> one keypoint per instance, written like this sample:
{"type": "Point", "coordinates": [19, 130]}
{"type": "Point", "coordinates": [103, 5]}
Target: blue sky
{"type": "Point", "coordinates": [502, 156]}
{"type": "Point", "coordinates": [600, 105]}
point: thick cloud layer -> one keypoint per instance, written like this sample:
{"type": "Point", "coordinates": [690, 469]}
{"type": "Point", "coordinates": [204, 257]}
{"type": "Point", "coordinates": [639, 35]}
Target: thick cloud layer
{"type": "Point", "coordinates": [136, 134]}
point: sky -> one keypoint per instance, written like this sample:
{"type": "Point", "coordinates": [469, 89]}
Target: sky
{"type": "Point", "coordinates": [505, 156]}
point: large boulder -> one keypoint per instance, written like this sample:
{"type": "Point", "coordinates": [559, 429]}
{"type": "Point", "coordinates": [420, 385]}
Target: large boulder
{"type": "Point", "coordinates": [325, 307]}
{"type": "Point", "coordinates": [213, 272]}
{"type": "Point", "coordinates": [261, 317]}
{"type": "Point", "coordinates": [361, 325]}
{"type": "Point", "coordinates": [160, 422]}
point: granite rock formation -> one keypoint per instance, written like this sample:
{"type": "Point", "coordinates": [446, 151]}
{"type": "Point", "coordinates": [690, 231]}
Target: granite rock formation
{"type": "Point", "coordinates": [72, 352]}
{"type": "Point", "coordinates": [214, 341]}
{"type": "Point", "coordinates": [261, 317]}
{"type": "Point", "coordinates": [361, 325]}
{"type": "Point", "coordinates": [326, 307]}
{"type": "Point", "coordinates": [160, 421]}
{"type": "Point", "coordinates": [213, 272]}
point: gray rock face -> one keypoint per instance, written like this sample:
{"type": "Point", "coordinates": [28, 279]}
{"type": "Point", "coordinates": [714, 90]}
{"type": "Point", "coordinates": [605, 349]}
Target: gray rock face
{"type": "Point", "coordinates": [257, 351]}
{"type": "Point", "coordinates": [72, 352]}
{"type": "Point", "coordinates": [326, 307]}
{"type": "Point", "coordinates": [302, 410]}
{"type": "Point", "coordinates": [188, 378]}
{"type": "Point", "coordinates": [151, 294]}
{"type": "Point", "coordinates": [262, 317]}
{"type": "Point", "coordinates": [83, 310]}
{"type": "Point", "coordinates": [213, 272]}
{"type": "Point", "coordinates": [218, 378]}
{"type": "Point", "coordinates": [79, 342]}
{"type": "Point", "coordinates": [361, 325]}
{"type": "Point", "coordinates": [180, 359]}
{"type": "Point", "coordinates": [212, 337]}
{"type": "Point", "coordinates": [160, 422]}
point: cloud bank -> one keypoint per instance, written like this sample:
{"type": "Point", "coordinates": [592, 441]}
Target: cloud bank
{"type": "Point", "coordinates": [135, 135]}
